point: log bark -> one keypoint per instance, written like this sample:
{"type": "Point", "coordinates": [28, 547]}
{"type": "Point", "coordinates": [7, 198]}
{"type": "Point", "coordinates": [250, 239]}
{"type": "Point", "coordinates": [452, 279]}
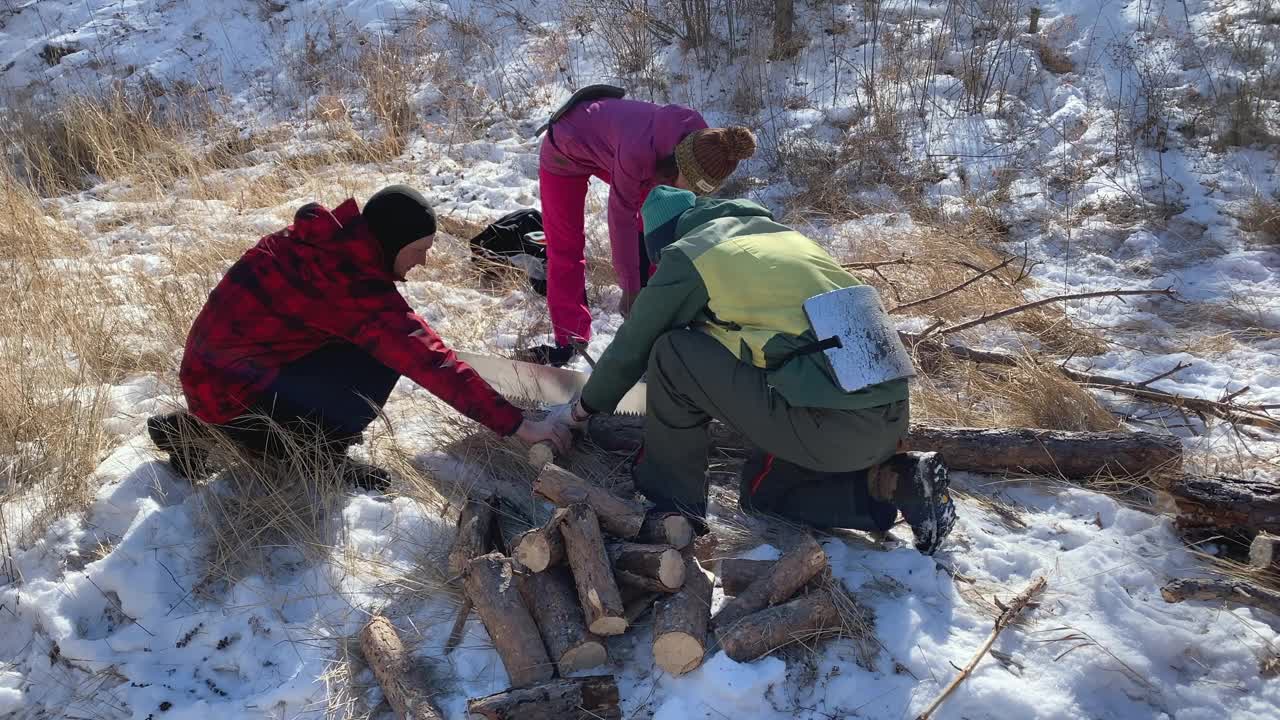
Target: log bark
{"type": "Point", "coordinates": [636, 605]}
{"type": "Point", "coordinates": [671, 529]}
{"type": "Point", "coordinates": [659, 568]}
{"type": "Point", "coordinates": [1236, 592]}
{"type": "Point", "coordinates": [541, 548]}
{"type": "Point", "coordinates": [597, 589]}
{"type": "Point", "coordinates": [1048, 452]}
{"type": "Point", "coordinates": [390, 663]}
{"type": "Point", "coordinates": [736, 573]}
{"type": "Point", "coordinates": [1264, 551]}
{"type": "Point", "coordinates": [490, 582]}
{"type": "Point", "coordinates": [474, 531]}
{"type": "Point", "coordinates": [618, 516]}
{"type": "Point", "coordinates": [680, 623]}
{"type": "Point", "coordinates": [762, 632]}
{"type": "Point", "coordinates": [551, 598]}
{"type": "Point", "coordinates": [1073, 455]}
{"type": "Point", "coordinates": [790, 573]}
{"type": "Point", "coordinates": [584, 698]}
{"type": "Point", "coordinates": [1232, 504]}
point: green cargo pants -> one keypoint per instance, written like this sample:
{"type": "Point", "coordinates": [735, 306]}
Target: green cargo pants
{"type": "Point", "coordinates": [692, 378]}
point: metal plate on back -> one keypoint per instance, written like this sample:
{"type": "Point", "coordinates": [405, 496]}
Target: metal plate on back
{"type": "Point", "coordinates": [870, 352]}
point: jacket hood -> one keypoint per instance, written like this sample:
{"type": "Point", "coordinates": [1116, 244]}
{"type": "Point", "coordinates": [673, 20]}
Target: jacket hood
{"type": "Point", "coordinates": [341, 230]}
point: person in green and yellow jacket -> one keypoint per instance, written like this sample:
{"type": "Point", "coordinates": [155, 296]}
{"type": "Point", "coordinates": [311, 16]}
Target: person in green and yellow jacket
{"type": "Point", "coordinates": [721, 331]}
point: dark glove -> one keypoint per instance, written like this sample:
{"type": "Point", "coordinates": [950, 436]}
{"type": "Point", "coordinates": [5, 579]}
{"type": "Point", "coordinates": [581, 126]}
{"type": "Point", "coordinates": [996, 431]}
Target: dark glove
{"type": "Point", "coordinates": [557, 355]}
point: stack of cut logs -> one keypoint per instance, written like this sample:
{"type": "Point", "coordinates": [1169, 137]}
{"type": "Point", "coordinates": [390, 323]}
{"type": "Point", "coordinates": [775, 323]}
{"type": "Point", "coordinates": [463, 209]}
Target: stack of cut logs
{"type": "Point", "coordinates": [597, 565]}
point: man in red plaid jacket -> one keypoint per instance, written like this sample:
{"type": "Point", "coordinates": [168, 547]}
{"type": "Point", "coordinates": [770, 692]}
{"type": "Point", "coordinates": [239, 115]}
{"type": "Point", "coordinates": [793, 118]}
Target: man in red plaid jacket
{"type": "Point", "coordinates": [308, 333]}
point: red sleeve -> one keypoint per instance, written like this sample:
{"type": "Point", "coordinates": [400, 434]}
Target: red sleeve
{"type": "Point", "coordinates": [403, 341]}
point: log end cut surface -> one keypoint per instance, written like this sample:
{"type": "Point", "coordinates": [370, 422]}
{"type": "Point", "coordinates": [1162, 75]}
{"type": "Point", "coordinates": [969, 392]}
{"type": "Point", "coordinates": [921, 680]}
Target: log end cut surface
{"type": "Point", "coordinates": [609, 626]}
{"type": "Point", "coordinates": [677, 652]}
{"type": "Point", "coordinates": [671, 569]}
{"type": "Point", "coordinates": [587, 655]}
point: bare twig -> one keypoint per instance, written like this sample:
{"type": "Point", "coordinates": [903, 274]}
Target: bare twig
{"type": "Point", "coordinates": [1006, 617]}
{"type": "Point", "coordinates": [1167, 292]}
{"type": "Point", "coordinates": [873, 264]}
{"type": "Point", "coordinates": [958, 288]}
{"type": "Point", "coordinates": [459, 626]}
{"type": "Point", "coordinates": [1175, 369]}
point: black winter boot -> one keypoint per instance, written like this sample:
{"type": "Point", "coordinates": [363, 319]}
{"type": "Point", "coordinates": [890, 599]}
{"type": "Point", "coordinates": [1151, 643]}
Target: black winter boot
{"type": "Point", "coordinates": [185, 439]}
{"type": "Point", "coordinates": [918, 483]}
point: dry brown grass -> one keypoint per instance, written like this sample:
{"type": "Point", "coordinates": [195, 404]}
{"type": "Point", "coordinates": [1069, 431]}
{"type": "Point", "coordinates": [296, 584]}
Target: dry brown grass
{"type": "Point", "coordinates": [1262, 217]}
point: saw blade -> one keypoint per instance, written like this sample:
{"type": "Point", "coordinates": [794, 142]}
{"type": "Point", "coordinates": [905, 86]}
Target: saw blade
{"type": "Point", "coordinates": [543, 384]}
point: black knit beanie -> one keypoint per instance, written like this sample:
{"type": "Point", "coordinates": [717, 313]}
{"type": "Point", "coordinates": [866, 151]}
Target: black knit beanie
{"type": "Point", "coordinates": [398, 215]}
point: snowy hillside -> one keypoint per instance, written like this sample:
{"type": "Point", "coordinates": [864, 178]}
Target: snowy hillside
{"type": "Point", "coordinates": [1105, 145]}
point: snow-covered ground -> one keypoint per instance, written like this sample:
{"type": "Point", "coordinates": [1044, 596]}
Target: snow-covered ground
{"type": "Point", "coordinates": [103, 618]}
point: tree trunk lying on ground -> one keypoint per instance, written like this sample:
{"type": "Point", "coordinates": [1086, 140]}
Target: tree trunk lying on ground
{"type": "Point", "coordinates": [540, 548]}
{"type": "Point", "coordinates": [671, 529]}
{"type": "Point", "coordinates": [490, 582]}
{"type": "Point", "coordinates": [736, 574]}
{"type": "Point", "coordinates": [553, 601]}
{"type": "Point", "coordinates": [597, 589]}
{"type": "Point", "coordinates": [791, 572]}
{"type": "Point", "coordinates": [1074, 455]}
{"type": "Point", "coordinates": [802, 619]}
{"type": "Point", "coordinates": [1264, 552]}
{"type": "Point", "coordinates": [659, 568]}
{"type": "Point", "coordinates": [385, 654]}
{"type": "Point", "coordinates": [474, 530]}
{"type": "Point", "coordinates": [1232, 504]}
{"type": "Point", "coordinates": [584, 698]}
{"type": "Point", "coordinates": [621, 517]}
{"type": "Point", "coordinates": [680, 623]}
{"type": "Point", "coordinates": [1236, 592]}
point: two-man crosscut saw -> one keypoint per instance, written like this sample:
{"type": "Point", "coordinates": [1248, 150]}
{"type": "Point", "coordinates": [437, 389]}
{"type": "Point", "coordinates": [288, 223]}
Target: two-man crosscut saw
{"type": "Point", "coordinates": [542, 385]}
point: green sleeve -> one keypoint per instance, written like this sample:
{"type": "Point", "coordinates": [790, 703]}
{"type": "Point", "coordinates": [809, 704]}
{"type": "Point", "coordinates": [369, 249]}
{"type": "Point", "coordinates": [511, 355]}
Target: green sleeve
{"type": "Point", "coordinates": [673, 298]}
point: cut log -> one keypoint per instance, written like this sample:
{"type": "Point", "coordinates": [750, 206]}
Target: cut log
{"type": "Point", "coordinates": [803, 619]}
{"type": "Point", "coordinates": [551, 598]}
{"type": "Point", "coordinates": [1230, 504]}
{"type": "Point", "coordinates": [1236, 592]}
{"type": "Point", "coordinates": [1073, 455]}
{"type": "Point", "coordinates": [736, 574]}
{"type": "Point", "coordinates": [791, 572]}
{"type": "Point", "coordinates": [680, 623]}
{"type": "Point", "coordinates": [671, 529]}
{"type": "Point", "coordinates": [659, 568]}
{"type": "Point", "coordinates": [585, 698]}
{"type": "Point", "coordinates": [618, 516]}
{"type": "Point", "coordinates": [390, 663]}
{"type": "Point", "coordinates": [1049, 452]}
{"type": "Point", "coordinates": [597, 590]}
{"type": "Point", "coordinates": [459, 625]}
{"type": "Point", "coordinates": [474, 532]}
{"type": "Point", "coordinates": [1264, 551]}
{"type": "Point", "coordinates": [541, 548]}
{"type": "Point", "coordinates": [490, 582]}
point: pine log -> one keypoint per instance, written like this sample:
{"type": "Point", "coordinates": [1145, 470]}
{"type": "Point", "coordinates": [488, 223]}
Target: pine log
{"type": "Point", "coordinates": [584, 698]}
{"type": "Point", "coordinates": [791, 572]}
{"type": "Point", "coordinates": [386, 655]}
{"type": "Point", "coordinates": [1073, 455]}
{"type": "Point", "coordinates": [597, 589]}
{"type": "Point", "coordinates": [490, 582]}
{"type": "Point", "coordinates": [618, 516]}
{"type": "Point", "coordinates": [1232, 504]}
{"type": "Point", "coordinates": [1264, 551]}
{"type": "Point", "coordinates": [736, 573]}
{"type": "Point", "coordinates": [1236, 592]}
{"type": "Point", "coordinates": [543, 547]}
{"type": "Point", "coordinates": [551, 598]}
{"type": "Point", "coordinates": [671, 529]}
{"type": "Point", "coordinates": [680, 623]}
{"type": "Point", "coordinates": [760, 633]}
{"type": "Point", "coordinates": [635, 605]}
{"type": "Point", "coordinates": [474, 532]}
{"type": "Point", "coordinates": [659, 568]}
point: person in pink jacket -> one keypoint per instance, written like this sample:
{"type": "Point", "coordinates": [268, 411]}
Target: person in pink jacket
{"type": "Point", "coordinates": [633, 146]}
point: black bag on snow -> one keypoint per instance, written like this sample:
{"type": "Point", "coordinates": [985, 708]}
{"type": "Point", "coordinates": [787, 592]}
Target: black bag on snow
{"type": "Point", "coordinates": [507, 242]}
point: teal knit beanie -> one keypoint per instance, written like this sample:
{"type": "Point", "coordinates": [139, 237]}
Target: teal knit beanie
{"type": "Point", "coordinates": [660, 212]}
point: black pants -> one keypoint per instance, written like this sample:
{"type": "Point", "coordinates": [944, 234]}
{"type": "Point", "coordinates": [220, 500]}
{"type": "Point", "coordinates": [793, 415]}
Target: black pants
{"type": "Point", "coordinates": [328, 397]}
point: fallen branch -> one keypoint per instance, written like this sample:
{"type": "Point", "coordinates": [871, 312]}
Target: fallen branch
{"type": "Point", "coordinates": [956, 289]}
{"type": "Point", "coordinates": [1236, 592]}
{"type": "Point", "coordinates": [873, 264]}
{"type": "Point", "coordinates": [984, 319]}
{"type": "Point", "coordinates": [384, 652]}
{"type": "Point", "coordinates": [1007, 616]}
